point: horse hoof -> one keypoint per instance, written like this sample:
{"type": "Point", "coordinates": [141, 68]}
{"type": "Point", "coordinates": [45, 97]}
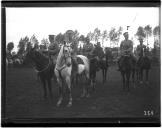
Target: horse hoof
{"type": "Point", "coordinates": [69, 104]}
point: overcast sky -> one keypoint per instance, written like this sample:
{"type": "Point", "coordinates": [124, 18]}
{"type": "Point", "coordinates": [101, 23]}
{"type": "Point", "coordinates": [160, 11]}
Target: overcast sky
{"type": "Point", "coordinates": [44, 21]}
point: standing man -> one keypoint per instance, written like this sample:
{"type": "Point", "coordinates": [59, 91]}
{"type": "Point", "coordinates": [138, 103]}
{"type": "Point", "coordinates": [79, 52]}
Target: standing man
{"type": "Point", "coordinates": [141, 50]}
{"type": "Point", "coordinates": [88, 48]}
{"type": "Point", "coordinates": [126, 48]}
{"type": "Point", "coordinates": [53, 49]}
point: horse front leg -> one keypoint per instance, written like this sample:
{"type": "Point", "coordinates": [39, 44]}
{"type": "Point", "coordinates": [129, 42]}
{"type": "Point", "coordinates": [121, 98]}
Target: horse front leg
{"type": "Point", "coordinates": [88, 81]}
{"type": "Point", "coordinates": [128, 79]}
{"type": "Point", "coordinates": [105, 74]}
{"type": "Point", "coordinates": [123, 77]}
{"type": "Point", "coordinates": [50, 87]}
{"type": "Point", "coordinates": [93, 80]}
{"type": "Point", "coordinates": [68, 81]}
{"type": "Point", "coordinates": [133, 77]}
{"type": "Point", "coordinates": [141, 76]}
{"type": "Point", "coordinates": [147, 74]}
{"type": "Point", "coordinates": [60, 83]}
{"type": "Point", "coordinates": [44, 87]}
{"type": "Point", "coordinates": [137, 75]}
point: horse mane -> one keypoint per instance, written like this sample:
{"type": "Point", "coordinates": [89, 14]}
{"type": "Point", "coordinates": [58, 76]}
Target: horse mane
{"type": "Point", "coordinates": [58, 61]}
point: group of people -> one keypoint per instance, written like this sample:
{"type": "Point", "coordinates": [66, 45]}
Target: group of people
{"type": "Point", "coordinates": [90, 50]}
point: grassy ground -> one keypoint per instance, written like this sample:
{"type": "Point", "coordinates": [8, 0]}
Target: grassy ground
{"type": "Point", "coordinates": [24, 97]}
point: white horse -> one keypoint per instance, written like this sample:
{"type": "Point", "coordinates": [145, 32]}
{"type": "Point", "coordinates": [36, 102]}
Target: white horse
{"type": "Point", "coordinates": [63, 71]}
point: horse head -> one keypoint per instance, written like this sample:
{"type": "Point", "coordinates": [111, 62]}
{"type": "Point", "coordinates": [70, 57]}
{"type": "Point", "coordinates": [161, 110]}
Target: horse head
{"type": "Point", "coordinates": [64, 56]}
{"type": "Point", "coordinates": [67, 55]}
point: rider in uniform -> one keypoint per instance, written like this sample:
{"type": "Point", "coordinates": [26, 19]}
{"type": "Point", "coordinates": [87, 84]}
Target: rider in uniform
{"type": "Point", "coordinates": [126, 48]}
{"type": "Point", "coordinates": [53, 50]}
{"type": "Point", "coordinates": [88, 48]}
{"type": "Point", "coordinates": [99, 53]}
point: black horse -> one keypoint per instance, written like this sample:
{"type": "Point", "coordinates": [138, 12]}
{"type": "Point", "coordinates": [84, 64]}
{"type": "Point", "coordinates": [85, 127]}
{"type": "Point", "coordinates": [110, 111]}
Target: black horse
{"type": "Point", "coordinates": [44, 67]}
{"type": "Point", "coordinates": [127, 69]}
{"type": "Point", "coordinates": [103, 64]}
{"type": "Point", "coordinates": [93, 67]}
{"type": "Point", "coordinates": [143, 63]}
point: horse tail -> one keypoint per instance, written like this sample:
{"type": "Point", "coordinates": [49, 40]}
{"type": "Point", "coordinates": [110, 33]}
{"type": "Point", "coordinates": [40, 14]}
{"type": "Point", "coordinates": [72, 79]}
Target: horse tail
{"type": "Point", "coordinates": [86, 63]}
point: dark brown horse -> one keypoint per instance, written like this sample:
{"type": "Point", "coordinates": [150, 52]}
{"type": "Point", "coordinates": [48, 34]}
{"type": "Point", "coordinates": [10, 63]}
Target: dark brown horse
{"type": "Point", "coordinates": [103, 64]}
{"type": "Point", "coordinates": [44, 67]}
{"type": "Point", "coordinates": [127, 69]}
{"type": "Point", "coordinates": [143, 64]}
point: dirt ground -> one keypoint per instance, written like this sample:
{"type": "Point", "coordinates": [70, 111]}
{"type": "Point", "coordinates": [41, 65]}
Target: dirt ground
{"type": "Point", "coordinates": [24, 97]}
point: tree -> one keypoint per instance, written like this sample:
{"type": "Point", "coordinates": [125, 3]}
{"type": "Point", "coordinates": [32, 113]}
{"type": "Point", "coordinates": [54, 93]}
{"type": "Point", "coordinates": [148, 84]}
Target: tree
{"type": "Point", "coordinates": [90, 35]}
{"type": "Point", "coordinates": [115, 36]}
{"type": "Point", "coordinates": [148, 31]}
{"type": "Point", "coordinates": [10, 47]}
{"type": "Point", "coordinates": [28, 46]}
{"type": "Point", "coordinates": [35, 42]}
{"type": "Point", "coordinates": [22, 45]}
{"type": "Point", "coordinates": [156, 33]}
{"type": "Point", "coordinates": [111, 36]}
{"type": "Point", "coordinates": [104, 35]}
{"type": "Point", "coordinates": [82, 38]}
{"type": "Point", "coordinates": [119, 32]}
{"type": "Point", "coordinates": [44, 43]}
{"type": "Point", "coordinates": [76, 35]}
{"type": "Point", "coordinates": [60, 38]}
{"type": "Point", "coordinates": [140, 32]}
{"type": "Point", "coordinates": [96, 34]}
{"type": "Point", "coordinates": [75, 38]}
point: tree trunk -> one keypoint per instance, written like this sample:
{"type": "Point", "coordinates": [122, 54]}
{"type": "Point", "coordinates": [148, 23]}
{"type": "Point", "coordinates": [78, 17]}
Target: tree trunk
{"type": "Point", "coordinates": [102, 42]}
{"type": "Point", "coordinates": [147, 41]}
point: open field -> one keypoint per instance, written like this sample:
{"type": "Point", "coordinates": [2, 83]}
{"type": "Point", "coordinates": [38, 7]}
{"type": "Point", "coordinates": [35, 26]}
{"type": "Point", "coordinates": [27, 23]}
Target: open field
{"type": "Point", "coordinates": [24, 97]}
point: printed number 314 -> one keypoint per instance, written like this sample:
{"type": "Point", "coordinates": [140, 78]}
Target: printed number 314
{"type": "Point", "coordinates": [148, 113]}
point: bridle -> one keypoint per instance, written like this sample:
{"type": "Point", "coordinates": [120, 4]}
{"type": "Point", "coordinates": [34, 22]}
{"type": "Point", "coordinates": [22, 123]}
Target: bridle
{"type": "Point", "coordinates": [64, 56]}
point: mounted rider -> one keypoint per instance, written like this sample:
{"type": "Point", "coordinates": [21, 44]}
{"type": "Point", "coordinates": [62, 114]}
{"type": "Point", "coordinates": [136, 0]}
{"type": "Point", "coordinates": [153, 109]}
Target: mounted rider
{"type": "Point", "coordinates": [99, 53]}
{"type": "Point", "coordinates": [88, 48]}
{"type": "Point", "coordinates": [53, 49]}
{"type": "Point", "coordinates": [126, 48]}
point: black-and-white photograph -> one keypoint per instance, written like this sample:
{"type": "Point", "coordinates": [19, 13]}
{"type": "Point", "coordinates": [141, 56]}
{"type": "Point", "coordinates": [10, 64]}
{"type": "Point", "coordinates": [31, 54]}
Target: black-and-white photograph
{"type": "Point", "coordinates": [82, 62]}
